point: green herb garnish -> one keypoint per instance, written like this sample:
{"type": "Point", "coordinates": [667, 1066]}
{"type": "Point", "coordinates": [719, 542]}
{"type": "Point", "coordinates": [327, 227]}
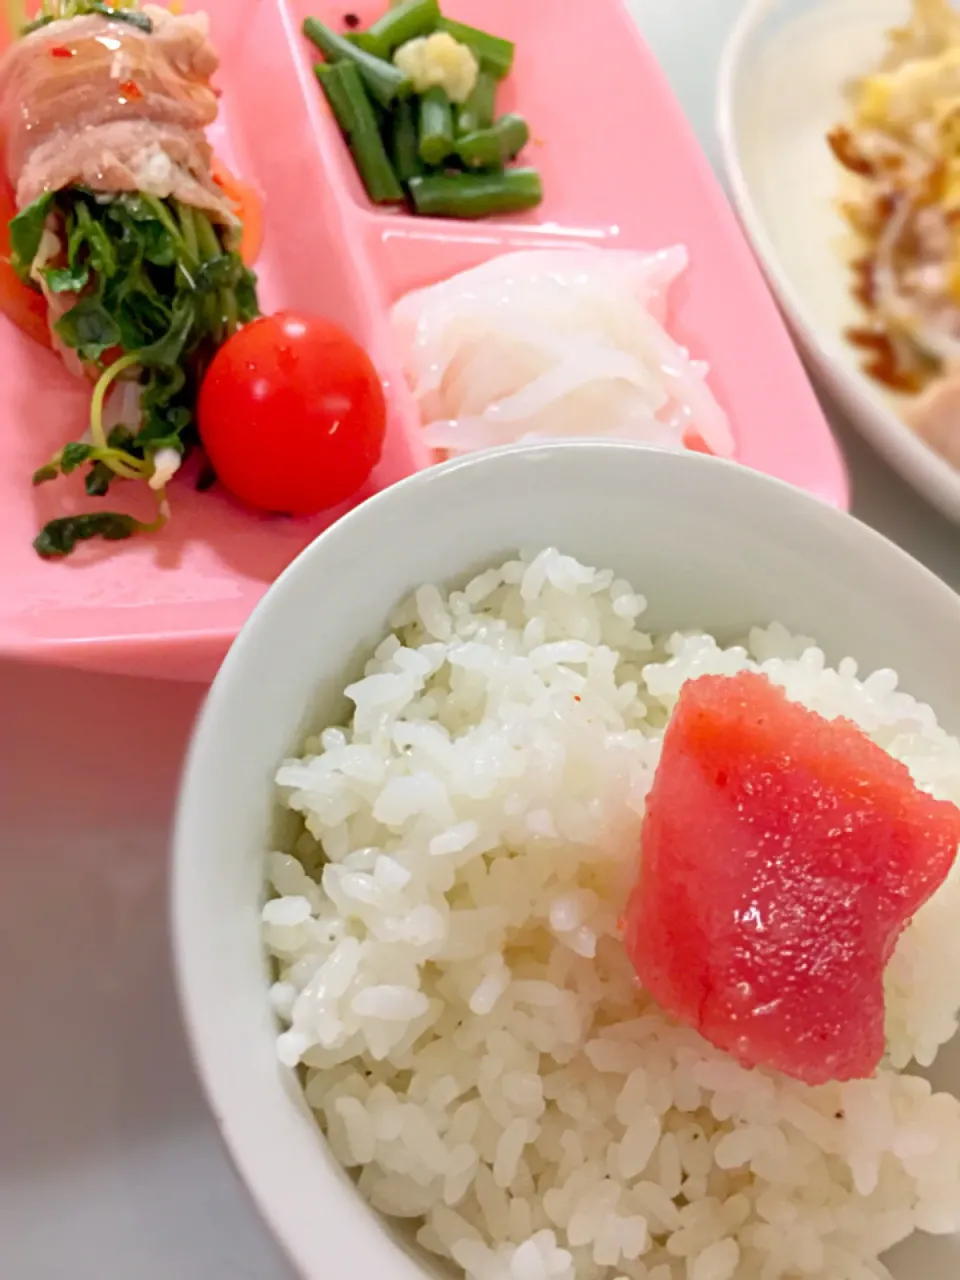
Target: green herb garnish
{"type": "Point", "coordinates": [81, 9]}
{"type": "Point", "coordinates": [160, 288]}
{"type": "Point", "coordinates": [60, 537]}
{"type": "Point", "coordinates": [35, 25]}
{"type": "Point", "coordinates": [26, 232]}
{"type": "Point", "coordinates": [131, 16]}
{"type": "Point", "coordinates": [63, 10]}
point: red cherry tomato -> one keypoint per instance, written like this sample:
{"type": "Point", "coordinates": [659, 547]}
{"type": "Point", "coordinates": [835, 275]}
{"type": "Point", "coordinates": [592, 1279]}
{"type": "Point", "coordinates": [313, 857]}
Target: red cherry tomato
{"type": "Point", "coordinates": [291, 414]}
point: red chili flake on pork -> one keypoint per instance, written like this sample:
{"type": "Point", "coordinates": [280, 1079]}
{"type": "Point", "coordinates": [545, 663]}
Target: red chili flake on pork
{"type": "Point", "coordinates": [130, 90]}
{"type": "Point", "coordinates": [62, 51]}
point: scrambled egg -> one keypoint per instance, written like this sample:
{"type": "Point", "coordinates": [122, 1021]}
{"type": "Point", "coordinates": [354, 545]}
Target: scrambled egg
{"type": "Point", "coordinates": [913, 92]}
{"type": "Point", "coordinates": [907, 116]}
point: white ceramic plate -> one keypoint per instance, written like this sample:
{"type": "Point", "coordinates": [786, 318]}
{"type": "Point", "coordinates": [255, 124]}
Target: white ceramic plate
{"type": "Point", "coordinates": [780, 91]}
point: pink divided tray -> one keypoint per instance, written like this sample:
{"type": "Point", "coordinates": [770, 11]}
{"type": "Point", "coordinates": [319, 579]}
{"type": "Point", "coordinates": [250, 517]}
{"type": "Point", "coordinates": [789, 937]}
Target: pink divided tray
{"type": "Point", "coordinates": [621, 168]}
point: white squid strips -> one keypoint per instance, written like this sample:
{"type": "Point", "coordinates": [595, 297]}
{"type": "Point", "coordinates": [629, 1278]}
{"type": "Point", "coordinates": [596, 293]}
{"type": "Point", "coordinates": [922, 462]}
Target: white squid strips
{"type": "Point", "coordinates": [549, 343]}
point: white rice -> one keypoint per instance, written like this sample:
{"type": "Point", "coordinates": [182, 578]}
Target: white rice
{"type": "Point", "coordinates": [472, 1037]}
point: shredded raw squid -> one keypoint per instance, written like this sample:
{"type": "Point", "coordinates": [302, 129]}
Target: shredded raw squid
{"type": "Point", "coordinates": [556, 342]}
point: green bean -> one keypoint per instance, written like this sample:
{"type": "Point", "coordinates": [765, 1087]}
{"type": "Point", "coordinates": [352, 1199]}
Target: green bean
{"type": "Point", "coordinates": [402, 23]}
{"type": "Point", "coordinates": [469, 195]}
{"type": "Point", "coordinates": [348, 100]}
{"type": "Point", "coordinates": [488, 148]}
{"type": "Point", "coordinates": [405, 142]}
{"type": "Point", "coordinates": [436, 126]}
{"type": "Point", "coordinates": [493, 53]}
{"type": "Point", "coordinates": [361, 39]}
{"type": "Point", "coordinates": [382, 80]}
{"type": "Point", "coordinates": [477, 112]}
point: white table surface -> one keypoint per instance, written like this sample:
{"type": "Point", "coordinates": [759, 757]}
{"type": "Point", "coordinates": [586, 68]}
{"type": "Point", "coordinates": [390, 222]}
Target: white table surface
{"type": "Point", "coordinates": [110, 1166]}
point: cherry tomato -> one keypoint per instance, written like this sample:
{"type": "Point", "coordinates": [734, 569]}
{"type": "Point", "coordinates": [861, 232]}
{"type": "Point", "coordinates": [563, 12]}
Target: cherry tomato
{"type": "Point", "coordinates": [18, 302]}
{"type": "Point", "coordinates": [249, 208]}
{"type": "Point", "coordinates": [292, 414]}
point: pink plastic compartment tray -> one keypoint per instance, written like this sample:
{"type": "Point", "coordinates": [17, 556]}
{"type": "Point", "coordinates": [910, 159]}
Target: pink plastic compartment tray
{"type": "Point", "coordinates": [621, 168]}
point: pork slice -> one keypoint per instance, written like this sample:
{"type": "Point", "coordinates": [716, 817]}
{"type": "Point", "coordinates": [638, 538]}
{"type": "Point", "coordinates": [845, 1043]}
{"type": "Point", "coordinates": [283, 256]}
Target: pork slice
{"type": "Point", "coordinates": [185, 40]}
{"type": "Point", "coordinates": [160, 160]}
{"type": "Point", "coordinates": [95, 100]}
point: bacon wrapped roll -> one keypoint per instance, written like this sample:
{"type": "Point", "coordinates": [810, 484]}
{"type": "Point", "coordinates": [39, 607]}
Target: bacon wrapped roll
{"type": "Point", "coordinates": [124, 226]}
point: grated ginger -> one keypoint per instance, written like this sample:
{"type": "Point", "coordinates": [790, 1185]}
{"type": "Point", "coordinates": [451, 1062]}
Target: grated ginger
{"type": "Point", "coordinates": [439, 61]}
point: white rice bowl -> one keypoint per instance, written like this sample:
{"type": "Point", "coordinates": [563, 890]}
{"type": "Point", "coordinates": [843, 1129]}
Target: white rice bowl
{"type": "Point", "coordinates": [452, 987]}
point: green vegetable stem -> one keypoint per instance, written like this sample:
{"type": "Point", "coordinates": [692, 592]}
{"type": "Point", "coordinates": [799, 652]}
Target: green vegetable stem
{"type": "Point", "coordinates": [400, 24]}
{"type": "Point", "coordinates": [436, 126]}
{"type": "Point", "coordinates": [382, 80]}
{"type": "Point", "coordinates": [493, 53]}
{"type": "Point", "coordinates": [477, 112]}
{"type": "Point", "coordinates": [476, 195]}
{"type": "Point", "coordinates": [344, 90]}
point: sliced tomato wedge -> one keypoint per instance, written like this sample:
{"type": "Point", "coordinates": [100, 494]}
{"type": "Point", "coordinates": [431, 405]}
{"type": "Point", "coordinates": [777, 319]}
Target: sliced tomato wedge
{"type": "Point", "coordinates": [695, 442]}
{"type": "Point", "coordinates": [18, 302]}
{"type": "Point", "coordinates": [6, 27]}
{"type": "Point", "coordinates": [249, 207]}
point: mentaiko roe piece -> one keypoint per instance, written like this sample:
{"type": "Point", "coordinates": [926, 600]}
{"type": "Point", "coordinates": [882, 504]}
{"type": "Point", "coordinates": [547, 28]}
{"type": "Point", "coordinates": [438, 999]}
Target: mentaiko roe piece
{"type": "Point", "coordinates": [782, 856]}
